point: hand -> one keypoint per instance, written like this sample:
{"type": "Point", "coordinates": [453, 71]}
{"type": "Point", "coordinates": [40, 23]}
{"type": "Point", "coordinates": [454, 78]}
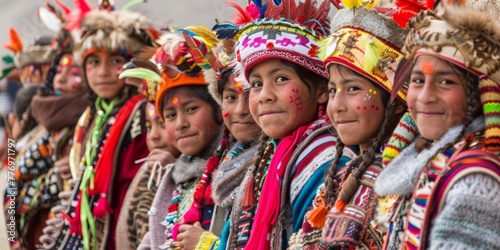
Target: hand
{"type": "Point", "coordinates": [161, 155]}
{"type": "Point", "coordinates": [62, 168]}
{"type": "Point", "coordinates": [189, 235]}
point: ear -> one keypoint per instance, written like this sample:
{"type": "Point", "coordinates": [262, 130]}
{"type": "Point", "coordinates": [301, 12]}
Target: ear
{"type": "Point", "coordinates": [323, 98]}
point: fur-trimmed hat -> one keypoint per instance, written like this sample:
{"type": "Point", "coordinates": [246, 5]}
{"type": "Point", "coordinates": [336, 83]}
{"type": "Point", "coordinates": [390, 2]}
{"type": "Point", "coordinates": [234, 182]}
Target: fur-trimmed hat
{"type": "Point", "coordinates": [367, 42]}
{"type": "Point", "coordinates": [122, 31]}
{"type": "Point", "coordinates": [469, 38]}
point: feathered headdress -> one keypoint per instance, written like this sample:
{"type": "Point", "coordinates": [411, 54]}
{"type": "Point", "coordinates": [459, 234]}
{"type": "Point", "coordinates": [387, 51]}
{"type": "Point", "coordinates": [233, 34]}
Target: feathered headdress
{"type": "Point", "coordinates": [34, 54]}
{"type": "Point", "coordinates": [278, 29]}
{"type": "Point", "coordinates": [469, 37]}
{"type": "Point", "coordinates": [368, 42]}
{"type": "Point", "coordinates": [212, 54]}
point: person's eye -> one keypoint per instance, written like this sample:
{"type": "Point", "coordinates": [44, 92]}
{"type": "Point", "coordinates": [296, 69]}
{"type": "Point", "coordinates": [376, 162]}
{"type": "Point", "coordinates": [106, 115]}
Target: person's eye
{"type": "Point", "coordinates": [281, 79]}
{"type": "Point", "coordinates": [191, 110]}
{"type": "Point", "coordinates": [352, 88]}
{"type": "Point", "coordinates": [256, 84]}
{"type": "Point", "coordinates": [417, 80]}
{"type": "Point", "coordinates": [118, 60]}
{"type": "Point", "coordinates": [169, 116]}
{"type": "Point", "coordinates": [148, 128]}
{"type": "Point", "coordinates": [447, 82]}
{"type": "Point", "coordinates": [230, 98]}
{"type": "Point", "coordinates": [332, 90]}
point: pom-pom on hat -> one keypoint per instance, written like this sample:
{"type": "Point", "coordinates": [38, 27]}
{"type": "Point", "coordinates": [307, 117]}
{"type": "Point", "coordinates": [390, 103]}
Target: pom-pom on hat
{"type": "Point", "coordinates": [369, 43]}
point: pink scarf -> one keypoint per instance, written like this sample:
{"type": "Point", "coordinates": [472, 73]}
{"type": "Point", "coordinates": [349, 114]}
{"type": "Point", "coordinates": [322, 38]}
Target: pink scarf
{"type": "Point", "coordinates": [269, 206]}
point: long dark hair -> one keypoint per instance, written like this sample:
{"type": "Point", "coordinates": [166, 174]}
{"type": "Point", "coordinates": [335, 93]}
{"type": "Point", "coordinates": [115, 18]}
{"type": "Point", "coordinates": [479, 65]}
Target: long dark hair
{"type": "Point", "coordinates": [367, 157]}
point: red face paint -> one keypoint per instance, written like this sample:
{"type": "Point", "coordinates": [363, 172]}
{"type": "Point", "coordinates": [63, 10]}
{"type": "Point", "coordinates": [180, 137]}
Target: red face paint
{"type": "Point", "coordinates": [294, 98]}
{"type": "Point", "coordinates": [175, 101]}
{"type": "Point", "coordinates": [427, 68]}
{"type": "Point", "coordinates": [226, 115]}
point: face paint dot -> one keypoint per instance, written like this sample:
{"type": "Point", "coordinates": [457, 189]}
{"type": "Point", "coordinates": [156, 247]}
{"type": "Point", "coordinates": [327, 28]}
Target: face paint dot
{"type": "Point", "coordinates": [372, 106]}
{"type": "Point", "coordinates": [226, 115]}
{"type": "Point", "coordinates": [364, 108]}
{"type": "Point", "coordinates": [338, 90]}
{"type": "Point", "coordinates": [427, 68]}
{"type": "Point", "coordinates": [370, 90]}
{"type": "Point", "coordinates": [376, 108]}
{"type": "Point", "coordinates": [374, 92]}
{"type": "Point", "coordinates": [358, 108]}
{"type": "Point", "coordinates": [175, 100]}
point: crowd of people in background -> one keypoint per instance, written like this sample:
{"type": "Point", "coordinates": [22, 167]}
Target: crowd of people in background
{"type": "Point", "coordinates": [282, 128]}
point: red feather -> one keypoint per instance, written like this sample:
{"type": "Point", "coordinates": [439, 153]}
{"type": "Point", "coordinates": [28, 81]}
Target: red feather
{"type": "Point", "coordinates": [337, 4]}
{"type": "Point", "coordinates": [63, 6]}
{"type": "Point", "coordinates": [410, 8]}
{"type": "Point", "coordinates": [323, 18]}
{"type": "Point", "coordinates": [273, 10]}
{"type": "Point", "coordinates": [289, 9]}
{"type": "Point", "coordinates": [242, 16]}
{"type": "Point", "coordinates": [305, 11]}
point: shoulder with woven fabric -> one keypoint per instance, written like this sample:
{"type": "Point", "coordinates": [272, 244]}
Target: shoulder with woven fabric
{"type": "Point", "coordinates": [469, 217]}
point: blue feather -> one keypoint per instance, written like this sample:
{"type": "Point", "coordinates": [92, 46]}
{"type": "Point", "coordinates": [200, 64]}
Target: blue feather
{"type": "Point", "coordinates": [225, 30]}
{"type": "Point", "coordinates": [262, 8]}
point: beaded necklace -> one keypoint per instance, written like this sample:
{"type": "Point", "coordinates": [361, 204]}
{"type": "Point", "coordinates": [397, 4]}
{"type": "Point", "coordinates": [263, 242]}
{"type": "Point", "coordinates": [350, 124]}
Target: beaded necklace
{"type": "Point", "coordinates": [87, 219]}
{"type": "Point", "coordinates": [252, 194]}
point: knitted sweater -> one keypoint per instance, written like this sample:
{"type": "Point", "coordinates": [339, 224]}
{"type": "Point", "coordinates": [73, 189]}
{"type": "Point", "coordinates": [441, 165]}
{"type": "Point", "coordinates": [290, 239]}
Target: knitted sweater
{"type": "Point", "coordinates": [466, 214]}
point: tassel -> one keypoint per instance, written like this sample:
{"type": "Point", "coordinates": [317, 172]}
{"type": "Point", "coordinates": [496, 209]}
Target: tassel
{"type": "Point", "coordinates": [249, 198]}
{"type": "Point", "coordinates": [175, 231]}
{"type": "Point", "coordinates": [340, 205]}
{"type": "Point", "coordinates": [317, 217]}
{"type": "Point", "coordinates": [102, 207]}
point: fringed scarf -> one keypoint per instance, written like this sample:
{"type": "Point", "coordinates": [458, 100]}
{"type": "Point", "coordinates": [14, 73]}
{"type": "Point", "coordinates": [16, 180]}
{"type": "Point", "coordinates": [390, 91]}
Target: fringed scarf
{"type": "Point", "coordinates": [96, 179]}
{"type": "Point", "coordinates": [269, 202]}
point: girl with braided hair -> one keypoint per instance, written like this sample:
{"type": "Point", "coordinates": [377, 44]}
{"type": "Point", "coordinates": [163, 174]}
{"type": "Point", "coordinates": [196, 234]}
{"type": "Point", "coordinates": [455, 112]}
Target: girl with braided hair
{"type": "Point", "coordinates": [364, 114]}
{"type": "Point", "coordinates": [448, 176]}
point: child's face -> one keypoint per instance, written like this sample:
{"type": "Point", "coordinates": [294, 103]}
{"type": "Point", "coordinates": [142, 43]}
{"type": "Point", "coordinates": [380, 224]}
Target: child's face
{"type": "Point", "coordinates": [355, 106]}
{"type": "Point", "coordinates": [236, 113]}
{"type": "Point", "coordinates": [280, 101]}
{"type": "Point", "coordinates": [190, 123]}
{"type": "Point", "coordinates": [157, 133]}
{"type": "Point", "coordinates": [102, 71]}
{"type": "Point", "coordinates": [68, 78]}
{"type": "Point", "coordinates": [436, 97]}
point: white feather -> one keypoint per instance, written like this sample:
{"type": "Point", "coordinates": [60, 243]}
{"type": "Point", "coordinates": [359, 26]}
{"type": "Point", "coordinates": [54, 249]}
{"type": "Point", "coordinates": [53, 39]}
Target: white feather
{"type": "Point", "coordinates": [49, 19]}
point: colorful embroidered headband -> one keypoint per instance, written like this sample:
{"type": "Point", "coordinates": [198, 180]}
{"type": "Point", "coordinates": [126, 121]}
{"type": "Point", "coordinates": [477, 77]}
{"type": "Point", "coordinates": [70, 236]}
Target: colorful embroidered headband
{"type": "Point", "coordinates": [281, 30]}
{"type": "Point", "coordinates": [367, 42]}
{"type": "Point", "coordinates": [470, 39]}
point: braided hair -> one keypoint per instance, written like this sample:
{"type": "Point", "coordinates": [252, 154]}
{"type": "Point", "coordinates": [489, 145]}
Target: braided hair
{"type": "Point", "coordinates": [362, 162]}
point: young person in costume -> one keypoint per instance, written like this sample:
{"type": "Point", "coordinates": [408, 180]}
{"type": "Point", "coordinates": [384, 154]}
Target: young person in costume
{"type": "Point", "coordinates": [243, 134]}
{"type": "Point", "coordinates": [39, 182]}
{"type": "Point", "coordinates": [362, 57]}
{"type": "Point", "coordinates": [192, 120]}
{"type": "Point", "coordinates": [110, 135]}
{"type": "Point", "coordinates": [276, 53]}
{"type": "Point", "coordinates": [448, 177]}
{"type": "Point", "coordinates": [133, 223]}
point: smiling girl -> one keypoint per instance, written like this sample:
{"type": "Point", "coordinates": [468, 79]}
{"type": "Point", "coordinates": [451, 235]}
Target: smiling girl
{"type": "Point", "coordinates": [449, 177]}
{"type": "Point", "coordinates": [362, 58]}
{"type": "Point", "coordinates": [277, 55]}
{"type": "Point", "coordinates": [109, 137]}
{"type": "Point", "coordinates": [192, 121]}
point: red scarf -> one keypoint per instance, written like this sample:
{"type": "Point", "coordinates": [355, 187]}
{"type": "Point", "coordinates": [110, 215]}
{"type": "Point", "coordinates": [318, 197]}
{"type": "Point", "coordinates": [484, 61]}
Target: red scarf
{"type": "Point", "coordinates": [269, 205]}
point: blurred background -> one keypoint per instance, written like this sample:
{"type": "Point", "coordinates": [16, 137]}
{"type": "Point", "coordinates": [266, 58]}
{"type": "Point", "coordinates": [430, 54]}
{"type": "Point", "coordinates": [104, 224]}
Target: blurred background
{"type": "Point", "coordinates": [22, 15]}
